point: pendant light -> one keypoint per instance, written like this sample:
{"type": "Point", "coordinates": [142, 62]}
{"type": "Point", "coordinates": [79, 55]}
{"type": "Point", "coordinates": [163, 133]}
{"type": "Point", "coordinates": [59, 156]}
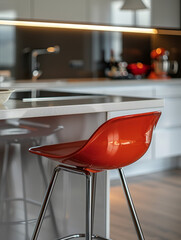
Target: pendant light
{"type": "Point", "coordinates": [133, 5]}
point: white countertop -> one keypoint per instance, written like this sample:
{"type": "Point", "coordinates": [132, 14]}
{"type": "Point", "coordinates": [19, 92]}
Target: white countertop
{"type": "Point", "coordinates": [89, 104]}
{"type": "Point", "coordinates": [88, 83]}
{"type": "Point", "coordinates": [19, 109]}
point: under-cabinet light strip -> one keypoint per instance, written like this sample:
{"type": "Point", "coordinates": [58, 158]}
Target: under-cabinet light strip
{"type": "Point", "coordinates": [78, 26]}
{"type": "Point", "coordinates": [169, 32]}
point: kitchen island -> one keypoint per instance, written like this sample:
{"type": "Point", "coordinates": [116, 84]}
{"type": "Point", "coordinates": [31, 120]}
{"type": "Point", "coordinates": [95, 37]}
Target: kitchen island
{"type": "Point", "coordinates": [27, 121]}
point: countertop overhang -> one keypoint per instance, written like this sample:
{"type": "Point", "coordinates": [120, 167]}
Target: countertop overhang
{"type": "Point", "coordinates": [90, 103]}
{"type": "Point", "coordinates": [75, 105]}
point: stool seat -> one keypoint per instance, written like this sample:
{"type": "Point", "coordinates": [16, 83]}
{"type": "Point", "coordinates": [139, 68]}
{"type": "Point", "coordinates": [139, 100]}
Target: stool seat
{"type": "Point", "coordinates": [59, 152]}
{"type": "Point", "coordinates": [115, 144]}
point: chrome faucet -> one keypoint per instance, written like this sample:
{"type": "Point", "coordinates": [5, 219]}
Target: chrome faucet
{"type": "Point", "coordinates": [35, 65]}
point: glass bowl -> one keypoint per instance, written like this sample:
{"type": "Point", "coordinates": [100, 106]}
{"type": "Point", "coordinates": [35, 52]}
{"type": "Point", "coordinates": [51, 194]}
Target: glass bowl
{"type": "Point", "coordinates": [5, 94]}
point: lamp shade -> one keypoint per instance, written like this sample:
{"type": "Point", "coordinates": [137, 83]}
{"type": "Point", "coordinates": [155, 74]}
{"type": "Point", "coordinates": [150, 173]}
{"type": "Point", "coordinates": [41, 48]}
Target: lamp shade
{"type": "Point", "coordinates": [133, 5]}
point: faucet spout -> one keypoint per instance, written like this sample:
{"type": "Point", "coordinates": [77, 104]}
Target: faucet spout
{"type": "Point", "coordinates": [35, 65]}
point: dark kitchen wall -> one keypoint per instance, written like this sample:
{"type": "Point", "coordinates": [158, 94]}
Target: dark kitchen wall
{"type": "Point", "coordinates": [73, 60]}
{"type": "Point", "coordinates": [170, 43]}
{"type": "Point", "coordinates": [136, 48]}
{"type": "Point", "coordinates": [82, 53]}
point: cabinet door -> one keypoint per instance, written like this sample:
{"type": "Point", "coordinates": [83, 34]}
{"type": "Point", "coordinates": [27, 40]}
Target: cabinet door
{"type": "Point", "coordinates": [167, 142]}
{"type": "Point", "coordinates": [171, 116]}
{"type": "Point", "coordinates": [129, 17]}
{"type": "Point", "coordinates": [165, 13]}
{"type": "Point", "coordinates": [63, 10]}
{"type": "Point", "coordinates": [10, 9]}
{"type": "Point", "coordinates": [98, 11]}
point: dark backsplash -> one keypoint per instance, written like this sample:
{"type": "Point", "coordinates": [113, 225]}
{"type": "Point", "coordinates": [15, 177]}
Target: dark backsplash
{"type": "Point", "coordinates": [136, 48]}
{"type": "Point", "coordinates": [74, 45]}
{"type": "Point", "coordinates": [82, 53]}
{"type": "Point", "coordinates": [172, 44]}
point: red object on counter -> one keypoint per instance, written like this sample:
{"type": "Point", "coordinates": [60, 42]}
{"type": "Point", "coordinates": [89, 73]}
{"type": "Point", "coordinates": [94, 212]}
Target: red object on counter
{"type": "Point", "coordinates": [155, 76]}
{"type": "Point", "coordinates": [138, 68]}
{"type": "Point", "coordinates": [156, 53]}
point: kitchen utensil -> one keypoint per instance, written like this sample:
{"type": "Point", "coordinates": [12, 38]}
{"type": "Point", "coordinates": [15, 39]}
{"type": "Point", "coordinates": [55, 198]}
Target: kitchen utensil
{"type": "Point", "coordinates": [162, 67]}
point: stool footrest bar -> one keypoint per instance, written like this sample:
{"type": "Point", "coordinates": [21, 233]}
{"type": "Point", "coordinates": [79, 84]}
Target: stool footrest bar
{"type": "Point", "coordinates": [82, 235]}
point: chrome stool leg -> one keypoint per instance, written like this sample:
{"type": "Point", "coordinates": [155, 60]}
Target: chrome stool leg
{"type": "Point", "coordinates": [24, 196]}
{"type": "Point", "coordinates": [48, 195]}
{"type": "Point", "coordinates": [131, 205]}
{"type": "Point", "coordinates": [88, 232]}
{"type": "Point", "coordinates": [45, 204]}
{"type": "Point", "coordinates": [88, 207]}
{"type": "Point", "coordinates": [41, 167]}
{"type": "Point", "coordinates": [52, 214]}
{"type": "Point", "coordinates": [3, 178]}
{"type": "Point", "coordinates": [94, 183]}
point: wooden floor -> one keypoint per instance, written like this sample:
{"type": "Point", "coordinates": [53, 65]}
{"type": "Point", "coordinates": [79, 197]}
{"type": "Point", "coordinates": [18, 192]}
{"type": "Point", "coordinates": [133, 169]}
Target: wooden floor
{"type": "Point", "coordinates": [157, 198]}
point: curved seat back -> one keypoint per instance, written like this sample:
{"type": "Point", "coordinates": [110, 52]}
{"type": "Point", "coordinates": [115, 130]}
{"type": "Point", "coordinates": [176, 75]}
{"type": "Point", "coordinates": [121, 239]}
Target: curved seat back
{"type": "Point", "coordinates": [118, 142]}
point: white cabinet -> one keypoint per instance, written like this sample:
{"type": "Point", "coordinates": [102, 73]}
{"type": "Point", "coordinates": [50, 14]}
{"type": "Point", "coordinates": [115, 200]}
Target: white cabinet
{"type": "Point", "coordinates": [10, 9]}
{"type": "Point", "coordinates": [130, 17]}
{"type": "Point", "coordinates": [171, 116]}
{"type": "Point", "coordinates": [63, 10]}
{"type": "Point", "coordinates": [168, 133]}
{"type": "Point", "coordinates": [171, 113]}
{"type": "Point", "coordinates": [98, 11]}
{"type": "Point", "coordinates": [165, 13]}
{"type": "Point", "coordinates": [167, 142]}
{"type": "Point", "coordinates": [94, 11]}
{"type": "Point", "coordinates": [160, 13]}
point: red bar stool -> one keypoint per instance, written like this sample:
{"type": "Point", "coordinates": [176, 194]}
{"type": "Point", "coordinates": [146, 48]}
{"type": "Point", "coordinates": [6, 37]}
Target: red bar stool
{"type": "Point", "coordinates": [116, 143]}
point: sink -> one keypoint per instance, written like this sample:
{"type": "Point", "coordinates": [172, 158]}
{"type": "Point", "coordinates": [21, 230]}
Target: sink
{"type": "Point", "coordinates": [44, 94]}
{"type": "Point", "coordinates": [61, 98]}
{"type": "Point", "coordinates": [46, 97]}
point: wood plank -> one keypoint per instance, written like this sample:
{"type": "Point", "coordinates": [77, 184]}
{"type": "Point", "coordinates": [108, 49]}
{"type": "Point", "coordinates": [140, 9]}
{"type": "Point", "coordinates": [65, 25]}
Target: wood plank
{"type": "Point", "coordinates": [157, 198]}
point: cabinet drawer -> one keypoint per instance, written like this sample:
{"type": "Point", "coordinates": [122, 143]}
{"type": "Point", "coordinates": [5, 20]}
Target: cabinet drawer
{"type": "Point", "coordinates": [168, 91]}
{"type": "Point", "coordinates": [62, 10]}
{"type": "Point", "coordinates": [167, 142]}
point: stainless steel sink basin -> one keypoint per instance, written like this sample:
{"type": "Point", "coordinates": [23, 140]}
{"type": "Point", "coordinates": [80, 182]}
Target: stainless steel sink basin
{"type": "Point", "coordinates": [55, 98]}
{"type": "Point", "coordinates": [44, 94]}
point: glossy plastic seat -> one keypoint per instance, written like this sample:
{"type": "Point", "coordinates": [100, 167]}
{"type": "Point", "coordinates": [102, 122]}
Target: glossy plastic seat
{"type": "Point", "coordinates": [117, 143]}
